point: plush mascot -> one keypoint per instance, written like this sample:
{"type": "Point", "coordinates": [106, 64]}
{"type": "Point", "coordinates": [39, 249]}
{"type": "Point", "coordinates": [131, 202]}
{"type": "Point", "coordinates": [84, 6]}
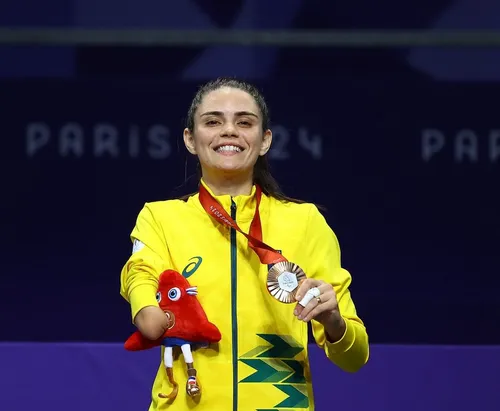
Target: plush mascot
{"type": "Point", "coordinates": [188, 326]}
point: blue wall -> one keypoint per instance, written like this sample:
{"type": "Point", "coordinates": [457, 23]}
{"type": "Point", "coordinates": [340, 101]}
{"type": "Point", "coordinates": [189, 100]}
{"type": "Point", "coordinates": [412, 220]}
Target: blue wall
{"type": "Point", "coordinates": [402, 146]}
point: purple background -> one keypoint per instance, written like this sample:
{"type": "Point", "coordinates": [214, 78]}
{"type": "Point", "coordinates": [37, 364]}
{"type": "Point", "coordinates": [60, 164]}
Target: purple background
{"type": "Point", "coordinates": [99, 377]}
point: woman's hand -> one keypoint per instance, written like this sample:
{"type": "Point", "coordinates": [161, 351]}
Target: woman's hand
{"type": "Point", "coordinates": [152, 322]}
{"type": "Point", "coordinates": [323, 308]}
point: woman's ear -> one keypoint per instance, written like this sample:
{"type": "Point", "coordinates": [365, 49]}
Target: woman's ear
{"type": "Point", "coordinates": [267, 139]}
{"type": "Point", "coordinates": [189, 141]}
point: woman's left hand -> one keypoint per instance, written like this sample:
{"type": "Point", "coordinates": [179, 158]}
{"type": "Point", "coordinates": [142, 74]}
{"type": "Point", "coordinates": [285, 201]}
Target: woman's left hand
{"type": "Point", "coordinates": [323, 308]}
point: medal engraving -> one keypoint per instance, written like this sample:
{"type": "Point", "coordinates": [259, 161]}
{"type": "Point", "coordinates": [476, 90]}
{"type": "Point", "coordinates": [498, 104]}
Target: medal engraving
{"type": "Point", "coordinates": [283, 280]}
{"type": "Point", "coordinates": [288, 281]}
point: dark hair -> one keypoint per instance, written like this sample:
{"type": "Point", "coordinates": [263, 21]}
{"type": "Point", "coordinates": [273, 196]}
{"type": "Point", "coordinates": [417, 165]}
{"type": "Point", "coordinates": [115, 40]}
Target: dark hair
{"type": "Point", "coordinates": [262, 172]}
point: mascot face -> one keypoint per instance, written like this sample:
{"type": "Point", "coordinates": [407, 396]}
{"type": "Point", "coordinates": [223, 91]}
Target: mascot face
{"type": "Point", "coordinates": [175, 295]}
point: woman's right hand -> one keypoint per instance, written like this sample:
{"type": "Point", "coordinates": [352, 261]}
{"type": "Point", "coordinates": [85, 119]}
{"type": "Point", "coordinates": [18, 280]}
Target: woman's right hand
{"type": "Point", "coordinates": [151, 322]}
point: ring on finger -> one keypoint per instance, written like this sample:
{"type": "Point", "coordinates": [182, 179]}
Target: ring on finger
{"type": "Point", "coordinates": [310, 294]}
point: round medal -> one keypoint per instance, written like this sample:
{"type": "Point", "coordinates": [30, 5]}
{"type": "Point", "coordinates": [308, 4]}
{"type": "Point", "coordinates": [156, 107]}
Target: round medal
{"type": "Point", "coordinates": [283, 280]}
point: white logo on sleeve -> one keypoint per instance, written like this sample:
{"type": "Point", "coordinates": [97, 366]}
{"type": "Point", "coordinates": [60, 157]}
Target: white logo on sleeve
{"type": "Point", "coordinates": [138, 246]}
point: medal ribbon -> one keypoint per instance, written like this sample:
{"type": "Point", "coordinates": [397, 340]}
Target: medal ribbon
{"type": "Point", "coordinates": [266, 254]}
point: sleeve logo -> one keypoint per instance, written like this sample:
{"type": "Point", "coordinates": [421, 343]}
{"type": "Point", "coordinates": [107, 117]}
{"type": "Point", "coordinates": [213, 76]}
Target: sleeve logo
{"type": "Point", "coordinates": [138, 246]}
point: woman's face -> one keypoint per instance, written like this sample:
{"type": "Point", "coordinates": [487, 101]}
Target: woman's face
{"type": "Point", "coordinates": [227, 135]}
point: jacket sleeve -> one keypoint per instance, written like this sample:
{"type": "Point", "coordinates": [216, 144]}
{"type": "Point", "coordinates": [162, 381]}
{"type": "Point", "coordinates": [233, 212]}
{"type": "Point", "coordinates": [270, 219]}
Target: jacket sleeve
{"type": "Point", "coordinates": [149, 258]}
{"type": "Point", "coordinates": [351, 352]}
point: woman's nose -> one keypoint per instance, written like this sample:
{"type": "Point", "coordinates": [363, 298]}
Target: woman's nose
{"type": "Point", "coordinates": [229, 130]}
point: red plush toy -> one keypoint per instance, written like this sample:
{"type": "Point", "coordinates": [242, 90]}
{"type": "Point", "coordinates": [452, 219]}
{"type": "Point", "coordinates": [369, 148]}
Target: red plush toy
{"type": "Point", "coordinates": [188, 325]}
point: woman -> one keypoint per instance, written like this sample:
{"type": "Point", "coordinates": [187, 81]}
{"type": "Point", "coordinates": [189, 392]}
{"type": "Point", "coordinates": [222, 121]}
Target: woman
{"type": "Point", "coordinates": [261, 362]}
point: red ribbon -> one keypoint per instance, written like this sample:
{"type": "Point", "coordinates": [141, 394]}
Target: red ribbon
{"type": "Point", "coordinates": [266, 254]}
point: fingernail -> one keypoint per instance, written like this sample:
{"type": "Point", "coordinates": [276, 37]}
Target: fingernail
{"type": "Point", "coordinates": [300, 317]}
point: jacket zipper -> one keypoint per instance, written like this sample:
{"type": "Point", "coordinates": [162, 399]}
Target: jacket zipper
{"type": "Point", "coordinates": [234, 319]}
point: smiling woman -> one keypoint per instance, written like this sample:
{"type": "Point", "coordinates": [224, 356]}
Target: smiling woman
{"type": "Point", "coordinates": [227, 138]}
{"type": "Point", "coordinates": [238, 112]}
{"type": "Point", "coordinates": [244, 232]}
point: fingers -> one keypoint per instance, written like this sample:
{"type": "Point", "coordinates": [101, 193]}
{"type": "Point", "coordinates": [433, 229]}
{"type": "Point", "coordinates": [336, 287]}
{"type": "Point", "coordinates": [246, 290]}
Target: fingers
{"type": "Point", "coordinates": [310, 294]}
{"type": "Point", "coordinates": [305, 285]}
{"type": "Point", "coordinates": [313, 307]}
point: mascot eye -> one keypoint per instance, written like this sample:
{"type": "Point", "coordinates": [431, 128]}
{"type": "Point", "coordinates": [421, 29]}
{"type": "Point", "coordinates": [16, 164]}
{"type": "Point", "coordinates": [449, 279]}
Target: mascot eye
{"type": "Point", "coordinates": [174, 294]}
{"type": "Point", "coordinates": [158, 297]}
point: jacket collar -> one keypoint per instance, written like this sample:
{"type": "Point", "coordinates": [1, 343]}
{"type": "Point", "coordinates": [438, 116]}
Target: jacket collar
{"type": "Point", "coordinates": [245, 204]}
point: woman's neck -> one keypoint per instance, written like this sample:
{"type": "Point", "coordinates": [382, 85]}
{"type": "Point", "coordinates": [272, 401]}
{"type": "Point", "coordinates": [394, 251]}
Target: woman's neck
{"type": "Point", "coordinates": [233, 186]}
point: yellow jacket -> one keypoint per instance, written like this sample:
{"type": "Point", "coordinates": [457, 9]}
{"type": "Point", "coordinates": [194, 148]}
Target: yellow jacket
{"type": "Point", "coordinates": [261, 363]}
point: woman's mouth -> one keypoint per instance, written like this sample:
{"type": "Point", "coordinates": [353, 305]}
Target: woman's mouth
{"type": "Point", "coordinates": [228, 149]}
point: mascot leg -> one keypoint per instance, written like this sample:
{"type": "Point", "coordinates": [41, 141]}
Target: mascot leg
{"type": "Point", "coordinates": [169, 364]}
{"type": "Point", "coordinates": [192, 386]}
